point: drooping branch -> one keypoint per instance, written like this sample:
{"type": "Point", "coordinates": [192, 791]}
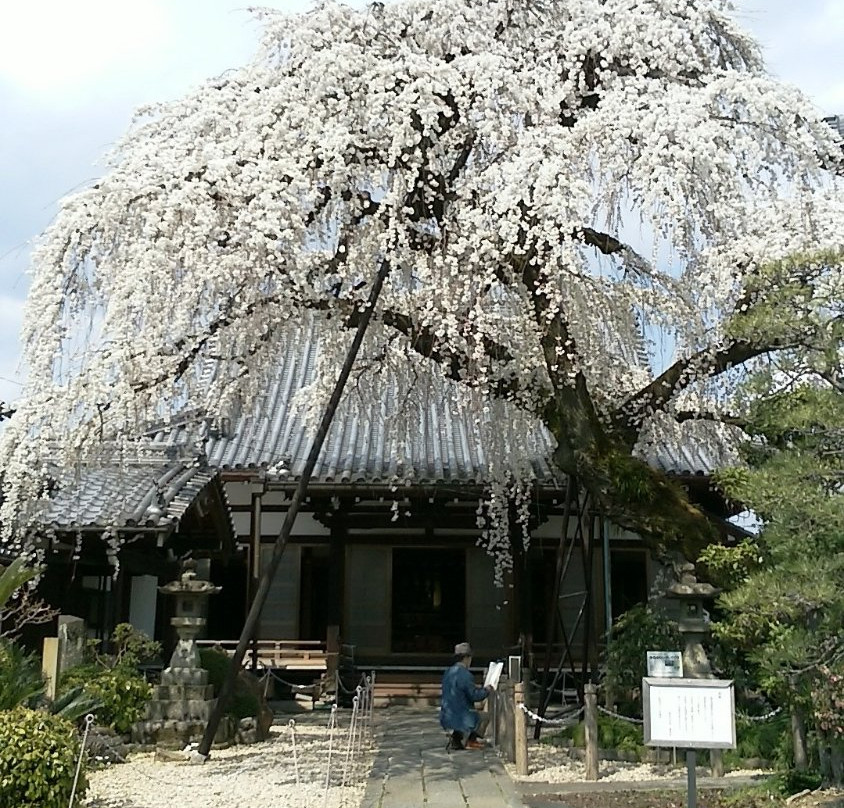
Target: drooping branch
{"type": "Point", "coordinates": [629, 417]}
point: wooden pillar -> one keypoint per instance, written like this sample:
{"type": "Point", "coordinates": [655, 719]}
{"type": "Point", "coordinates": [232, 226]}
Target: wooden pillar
{"type": "Point", "coordinates": [590, 722]}
{"type": "Point", "coordinates": [337, 569]}
{"type": "Point", "coordinates": [716, 762]}
{"type": "Point", "coordinates": [520, 729]}
{"type": "Point", "coordinates": [254, 573]}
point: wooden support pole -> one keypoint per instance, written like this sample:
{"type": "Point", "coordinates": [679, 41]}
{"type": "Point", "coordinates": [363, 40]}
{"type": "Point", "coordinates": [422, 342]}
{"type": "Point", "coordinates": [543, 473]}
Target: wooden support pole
{"type": "Point", "coordinates": [520, 719]}
{"type": "Point", "coordinates": [590, 721]}
{"type": "Point", "coordinates": [268, 573]}
{"type": "Point", "coordinates": [716, 763]}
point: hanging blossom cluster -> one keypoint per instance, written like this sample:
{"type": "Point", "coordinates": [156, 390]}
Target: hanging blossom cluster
{"type": "Point", "coordinates": [491, 154]}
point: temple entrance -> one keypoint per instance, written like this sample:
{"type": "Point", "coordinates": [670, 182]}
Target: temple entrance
{"type": "Point", "coordinates": [315, 594]}
{"type": "Point", "coordinates": [428, 600]}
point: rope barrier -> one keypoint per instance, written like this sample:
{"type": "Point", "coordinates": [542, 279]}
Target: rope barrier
{"type": "Point", "coordinates": [332, 723]}
{"type": "Point", "coordinates": [292, 724]}
{"type": "Point", "coordinates": [627, 718]}
{"type": "Point", "coordinates": [89, 719]}
{"type": "Point", "coordinates": [767, 717]}
{"type": "Point", "coordinates": [351, 739]}
{"type": "Point", "coordinates": [553, 722]}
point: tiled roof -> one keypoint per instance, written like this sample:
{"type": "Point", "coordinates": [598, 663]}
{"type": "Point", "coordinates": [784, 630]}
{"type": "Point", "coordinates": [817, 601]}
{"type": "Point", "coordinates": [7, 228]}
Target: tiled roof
{"type": "Point", "coordinates": [692, 448]}
{"type": "Point", "coordinates": [153, 491]}
{"type": "Point", "coordinates": [446, 446]}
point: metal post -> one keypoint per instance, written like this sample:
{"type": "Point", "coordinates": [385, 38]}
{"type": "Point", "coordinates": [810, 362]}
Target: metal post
{"type": "Point", "coordinates": [691, 764]}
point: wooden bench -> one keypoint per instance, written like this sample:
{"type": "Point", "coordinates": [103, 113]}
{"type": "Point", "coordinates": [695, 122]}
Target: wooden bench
{"type": "Point", "coordinates": [287, 655]}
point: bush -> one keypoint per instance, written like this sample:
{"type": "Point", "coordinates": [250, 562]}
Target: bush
{"type": "Point", "coordinates": [637, 631]}
{"type": "Point", "coordinates": [21, 680]}
{"type": "Point", "coordinates": [122, 692]}
{"type": "Point", "coordinates": [770, 740]}
{"type": "Point", "coordinates": [216, 661]}
{"type": "Point", "coordinates": [613, 733]}
{"type": "Point", "coordinates": [132, 647]}
{"type": "Point", "coordinates": [38, 757]}
{"type": "Point", "coordinates": [243, 703]}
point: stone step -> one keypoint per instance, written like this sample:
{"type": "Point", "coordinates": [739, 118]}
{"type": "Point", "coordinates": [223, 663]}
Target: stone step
{"type": "Point", "coordinates": [177, 734]}
{"type": "Point", "coordinates": [182, 710]}
{"type": "Point", "coordinates": [184, 676]}
{"type": "Point", "coordinates": [183, 692]}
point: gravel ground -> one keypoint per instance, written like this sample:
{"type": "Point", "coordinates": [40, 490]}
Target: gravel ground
{"type": "Point", "coordinates": [276, 772]}
{"type": "Point", "coordinates": [549, 764]}
{"type": "Point", "coordinates": [280, 773]}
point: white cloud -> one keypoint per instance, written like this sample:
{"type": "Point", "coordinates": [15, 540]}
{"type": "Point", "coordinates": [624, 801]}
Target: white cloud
{"type": "Point", "coordinates": [53, 47]}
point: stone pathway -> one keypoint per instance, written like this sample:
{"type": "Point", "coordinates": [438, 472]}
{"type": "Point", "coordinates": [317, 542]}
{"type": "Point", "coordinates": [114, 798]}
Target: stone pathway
{"type": "Point", "coordinates": [413, 768]}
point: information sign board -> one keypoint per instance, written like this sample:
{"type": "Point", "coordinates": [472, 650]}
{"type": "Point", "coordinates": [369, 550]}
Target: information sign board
{"type": "Point", "coordinates": [690, 713]}
{"type": "Point", "coordinates": [665, 664]}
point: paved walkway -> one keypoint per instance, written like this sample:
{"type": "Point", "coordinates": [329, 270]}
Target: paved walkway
{"type": "Point", "coordinates": [412, 767]}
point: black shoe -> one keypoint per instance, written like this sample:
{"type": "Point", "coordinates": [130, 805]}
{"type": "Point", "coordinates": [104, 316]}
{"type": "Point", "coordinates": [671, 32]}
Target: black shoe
{"type": "Point", "coordinates": [455, 741]}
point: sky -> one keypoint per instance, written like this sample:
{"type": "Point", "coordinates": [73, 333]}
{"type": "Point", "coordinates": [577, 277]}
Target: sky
{"type": "Point", "coordinates": [71, 74]}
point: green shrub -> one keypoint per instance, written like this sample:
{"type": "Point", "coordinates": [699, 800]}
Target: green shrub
{"type": "Point", "coordinates": [74, 703]}
{"type": "Point", "coordinates": [791, 781]}
{"type": "Point", "coordinates": [613, 733]}
{"type": "Point", "coordinates": [132, 647]}
{"type": "Point", "coordinates": [122, 692]}
{"type": "Point", "coordinates": [21, 680]}
{"type": "Point", "coordinates": [38, 756]}
{"type": "Point", "coordinates": [243, 703]}
{"type": "Point", "coordinates": [770, 739]}
{"type": "Point", "coordinates": [637, 631]}
{"type": "Point", "coordinates": [216, 662]}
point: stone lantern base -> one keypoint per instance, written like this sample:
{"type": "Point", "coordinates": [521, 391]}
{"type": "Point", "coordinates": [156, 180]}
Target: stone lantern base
{"type": "Point", "coordinates": [179, 710]}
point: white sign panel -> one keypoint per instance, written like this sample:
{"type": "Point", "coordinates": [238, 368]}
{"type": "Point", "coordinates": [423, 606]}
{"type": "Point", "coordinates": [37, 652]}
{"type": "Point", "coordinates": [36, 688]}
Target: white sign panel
{"type": "Point", "coordinates": [691, 713]}
{"type": "Point", "coordinates": [665, 664]}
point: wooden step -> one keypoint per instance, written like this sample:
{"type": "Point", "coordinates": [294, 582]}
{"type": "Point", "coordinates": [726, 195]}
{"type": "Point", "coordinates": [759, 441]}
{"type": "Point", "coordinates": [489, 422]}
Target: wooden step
{"type": "Point", "coordinates": [416, 693]}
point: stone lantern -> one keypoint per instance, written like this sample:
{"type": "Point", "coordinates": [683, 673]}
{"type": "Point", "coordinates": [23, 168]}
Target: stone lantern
{"type": "Point", "coordinates": [191, 594]}
{"type": "Point", "coordinates": [687, 598]}
{"type": "Point", "coordinates": [180, 706]}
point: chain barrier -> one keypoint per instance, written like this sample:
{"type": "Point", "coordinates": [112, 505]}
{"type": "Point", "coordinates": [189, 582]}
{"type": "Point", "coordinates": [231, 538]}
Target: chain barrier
{"type": "Point", "coordinates": [291, 685]}
{"type": "Point", "coordinates": [371, 708]}
{"type": "Point", "coordinates": [614, 714]}
{"type": "Point", "coordinates": [89, 719]}
{"type": "Point", "coordinates": [353, 691]}
{"type": "Point", "coordinates": [553, 722]}
{"type": "Point", "coordinates": [754, 718]}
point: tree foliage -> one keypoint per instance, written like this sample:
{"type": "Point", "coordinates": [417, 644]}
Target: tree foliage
{"type": "Point", "coordinates": [784, 607]}
{"type": "Point", "coordinates": [495, 156]}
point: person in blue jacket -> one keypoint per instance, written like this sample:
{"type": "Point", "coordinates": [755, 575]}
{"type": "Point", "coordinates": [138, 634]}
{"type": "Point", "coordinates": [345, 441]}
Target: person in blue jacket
{"type": "Point", "coordinates": [459, 695]}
